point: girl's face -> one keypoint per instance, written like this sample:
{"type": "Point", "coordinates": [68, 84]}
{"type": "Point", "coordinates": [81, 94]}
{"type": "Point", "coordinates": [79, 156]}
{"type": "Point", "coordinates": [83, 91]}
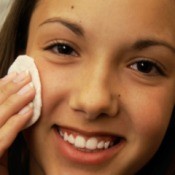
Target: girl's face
{"type": "Point", "coordinates": [108, 80]}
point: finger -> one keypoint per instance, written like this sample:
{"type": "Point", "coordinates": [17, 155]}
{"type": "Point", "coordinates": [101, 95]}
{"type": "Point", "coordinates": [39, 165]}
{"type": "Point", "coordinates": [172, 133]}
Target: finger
{"type": "Point", "coordinates": [13, 126]}
{"type": "Point", "coordinates": [16, 102]}
{"type": "Point", "coordinates": [11, 83]}
{"type": "Point", "coordinates": [8, 78]}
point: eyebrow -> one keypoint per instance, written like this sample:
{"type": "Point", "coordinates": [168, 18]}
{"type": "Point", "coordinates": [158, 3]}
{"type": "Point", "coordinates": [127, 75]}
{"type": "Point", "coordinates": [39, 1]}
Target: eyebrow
{"type": "Point", "coordinates": [77, 29]}
{"type": "Point", "coordinates": [74, 27]}
{"type": "Point", "coordinates": [146, 43]}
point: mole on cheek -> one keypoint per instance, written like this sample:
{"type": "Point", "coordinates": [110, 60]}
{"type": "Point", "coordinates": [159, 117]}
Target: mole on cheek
{"type": "Point", "coordinates": [72, 7]}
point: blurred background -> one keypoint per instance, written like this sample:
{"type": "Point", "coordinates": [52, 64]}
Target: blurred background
{"type": "Point", "coordinates": [4, 8]}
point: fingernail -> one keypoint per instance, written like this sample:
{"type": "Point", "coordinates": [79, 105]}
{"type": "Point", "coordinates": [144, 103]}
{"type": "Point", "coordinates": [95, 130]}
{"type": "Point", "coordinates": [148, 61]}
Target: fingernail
{"type": "Point", "coordinates": [21, 76]}
{"type": "Point", "coordinates": [25, 89]}
{"type": "Point", "coordinates": [9, 77]}
{"type": "Point", "coordinates": [26, 109]}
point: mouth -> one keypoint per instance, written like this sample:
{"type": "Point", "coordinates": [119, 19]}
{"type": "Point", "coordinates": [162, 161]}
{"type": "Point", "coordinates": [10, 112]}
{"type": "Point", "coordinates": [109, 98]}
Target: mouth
{"type": "Point", "coordinates": [88, 142]}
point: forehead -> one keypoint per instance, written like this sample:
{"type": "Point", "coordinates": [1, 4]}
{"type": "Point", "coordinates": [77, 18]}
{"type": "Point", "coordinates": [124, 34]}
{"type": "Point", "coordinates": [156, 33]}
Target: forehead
{"type": "Point", "coordinates": [112, 6]}
{"type": "Point", "coordinates": [104, 15]}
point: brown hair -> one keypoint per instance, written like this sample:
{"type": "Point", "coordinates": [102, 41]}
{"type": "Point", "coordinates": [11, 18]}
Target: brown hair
{"type": "Point", "coordinates": [14, 33]}
{"type": "Point", "coordinates": [13, 40]}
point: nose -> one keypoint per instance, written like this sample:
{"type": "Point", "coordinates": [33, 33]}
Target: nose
{"type": "Point", "coordinates": [94, 96]}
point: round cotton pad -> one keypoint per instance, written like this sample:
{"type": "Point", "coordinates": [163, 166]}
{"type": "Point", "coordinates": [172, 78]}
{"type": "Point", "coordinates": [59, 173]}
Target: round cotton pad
{"type": "Point", "coordinates": [23, 63]}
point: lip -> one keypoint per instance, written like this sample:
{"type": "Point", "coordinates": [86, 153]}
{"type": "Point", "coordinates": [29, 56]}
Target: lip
{"type": "Point", "coordinates": [75, 155]}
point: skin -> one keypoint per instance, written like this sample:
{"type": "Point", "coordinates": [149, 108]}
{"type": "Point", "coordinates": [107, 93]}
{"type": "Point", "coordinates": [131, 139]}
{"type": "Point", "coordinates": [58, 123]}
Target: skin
{"type": "Point", "coordinates": [12, 106]}
{"type": "Point", "coordinates": [98, 86]}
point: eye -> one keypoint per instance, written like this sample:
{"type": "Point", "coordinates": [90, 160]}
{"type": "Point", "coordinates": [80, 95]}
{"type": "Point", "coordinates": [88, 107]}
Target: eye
{"type": "Point", "coordinates": [61, 49]}
{"type": "Point", "coordinates": [147, 67]}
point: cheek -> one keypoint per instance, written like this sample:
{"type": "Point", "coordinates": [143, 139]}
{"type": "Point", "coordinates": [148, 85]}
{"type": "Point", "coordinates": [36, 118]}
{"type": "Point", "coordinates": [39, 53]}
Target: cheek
{"type": "Point", "coordinates": [57, 84]}
{"type": "Point", "coordinates": [151, 112]}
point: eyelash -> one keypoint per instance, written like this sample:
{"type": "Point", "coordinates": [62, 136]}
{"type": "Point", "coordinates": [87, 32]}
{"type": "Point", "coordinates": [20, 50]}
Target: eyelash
{"type": "Point", "coordinates": [61, 48]}
{"type": "Point", "coordinates": [148, 67]}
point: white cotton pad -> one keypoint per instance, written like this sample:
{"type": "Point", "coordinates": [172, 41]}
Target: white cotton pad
{"type": "Point", "coordinates": [23, 63]}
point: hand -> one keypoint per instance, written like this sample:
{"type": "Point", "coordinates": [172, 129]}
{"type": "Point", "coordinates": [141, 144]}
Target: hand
{"type": "Point", "coordinates": [16, 95]}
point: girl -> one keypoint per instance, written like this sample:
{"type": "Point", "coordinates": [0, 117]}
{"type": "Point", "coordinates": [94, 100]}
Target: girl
{"type": "Point", "coordinates": [108, 80]}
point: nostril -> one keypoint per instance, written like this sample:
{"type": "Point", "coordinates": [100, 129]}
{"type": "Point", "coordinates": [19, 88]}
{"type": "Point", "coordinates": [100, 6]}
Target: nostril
{"type": "Point", "coordinates": [102, 115]}
{"type": "Point", "coordinates": [94, 104]}
{"type": "Point", "coordinates": [94, 108]}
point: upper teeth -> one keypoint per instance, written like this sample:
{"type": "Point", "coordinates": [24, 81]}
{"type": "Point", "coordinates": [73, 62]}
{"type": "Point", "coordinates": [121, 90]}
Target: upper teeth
{"type": "Point", "coordinates": [81, 142]}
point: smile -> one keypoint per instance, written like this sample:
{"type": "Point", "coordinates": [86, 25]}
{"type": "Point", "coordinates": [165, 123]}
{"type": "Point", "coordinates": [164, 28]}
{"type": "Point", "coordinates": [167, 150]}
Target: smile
{"type": "Point", "coordinates": [90, 148]}
{"type": "Point", "coordinates": [88, 143]}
